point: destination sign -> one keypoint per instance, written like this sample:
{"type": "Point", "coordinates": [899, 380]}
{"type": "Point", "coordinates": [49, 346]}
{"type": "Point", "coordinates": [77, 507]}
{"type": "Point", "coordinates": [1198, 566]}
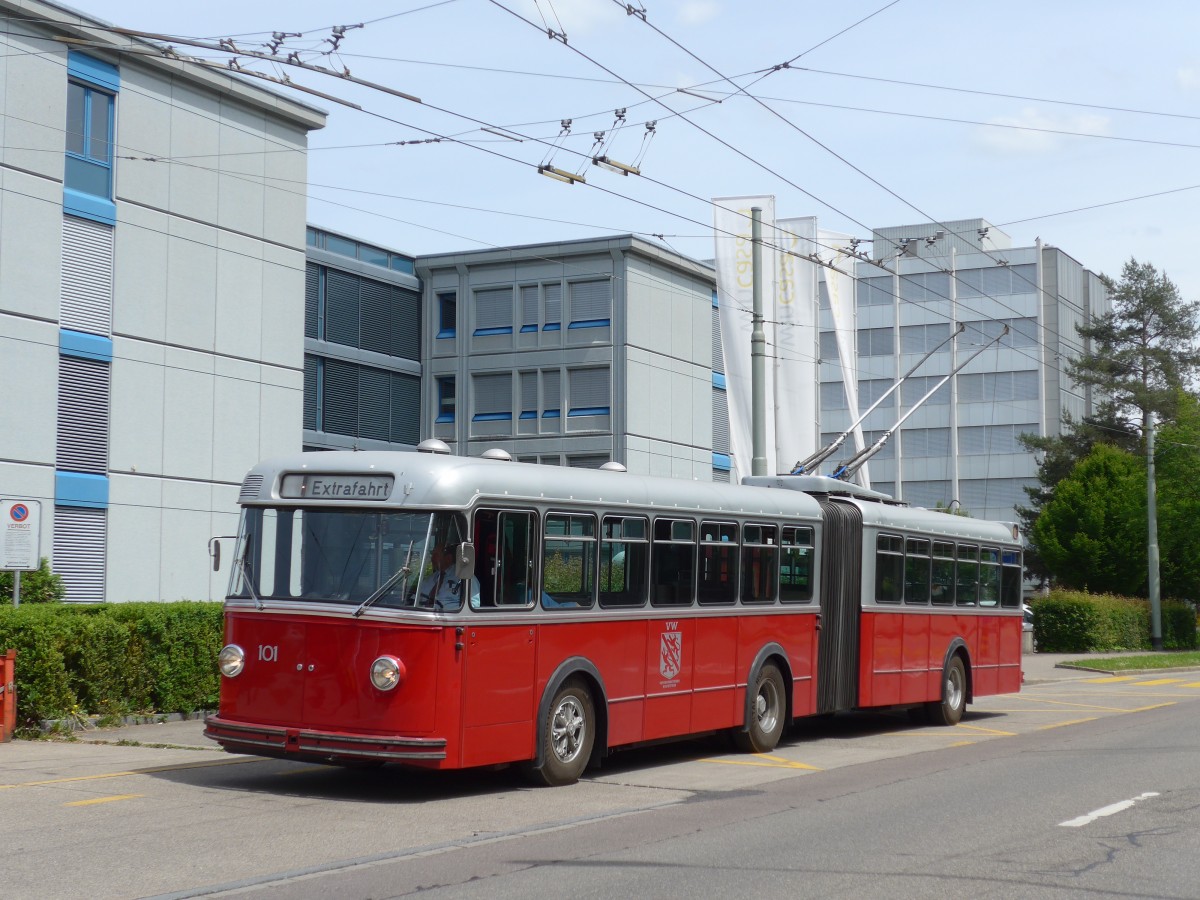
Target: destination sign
{"type": "Point", "coordinates": [327, 486]}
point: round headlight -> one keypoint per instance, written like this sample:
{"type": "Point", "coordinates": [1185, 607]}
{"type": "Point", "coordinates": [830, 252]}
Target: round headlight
{"type": "Point", "coordinates": [387, 672]}
{"type": "Point", "coordinates": [231, 660]}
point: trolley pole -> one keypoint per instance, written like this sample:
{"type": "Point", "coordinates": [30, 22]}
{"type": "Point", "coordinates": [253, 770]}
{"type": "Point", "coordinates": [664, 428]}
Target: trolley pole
{"type": "Point", "coordinates": [1156, 641]}
{"type": "Point", "coordinates": [758, 353]}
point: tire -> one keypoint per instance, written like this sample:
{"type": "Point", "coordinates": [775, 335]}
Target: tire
{"type": "Point", "coordinates": [567, 737]}
{"type": "Point", "coordinates": [768, 709]}
{"type": "Point", "coordinates": [949, 710]}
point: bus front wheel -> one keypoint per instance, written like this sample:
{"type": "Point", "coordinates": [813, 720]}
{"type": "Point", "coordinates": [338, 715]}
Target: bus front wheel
{"type": "Point", "coordinates": [949, 710]}
{"type": "Point", "coordinates": [567, 736]}
{"type": "Point", "coordinates": [768, 707]}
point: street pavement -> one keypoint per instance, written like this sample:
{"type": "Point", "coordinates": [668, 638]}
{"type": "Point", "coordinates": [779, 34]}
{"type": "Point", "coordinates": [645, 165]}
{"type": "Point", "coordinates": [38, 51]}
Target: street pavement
{"type": "Point", "coordinates": [189, 733]}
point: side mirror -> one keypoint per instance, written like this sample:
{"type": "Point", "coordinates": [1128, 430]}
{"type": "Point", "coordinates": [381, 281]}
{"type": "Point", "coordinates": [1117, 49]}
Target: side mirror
{"type": "Point", "coordinates": [464, 562]}
{"type": "Point", "coordinates": [214, 549]}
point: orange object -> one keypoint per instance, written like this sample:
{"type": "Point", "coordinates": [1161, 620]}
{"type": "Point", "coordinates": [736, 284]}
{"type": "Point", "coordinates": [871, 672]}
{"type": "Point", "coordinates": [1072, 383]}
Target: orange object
{"type": "Point", "coordinates": [8, 694]}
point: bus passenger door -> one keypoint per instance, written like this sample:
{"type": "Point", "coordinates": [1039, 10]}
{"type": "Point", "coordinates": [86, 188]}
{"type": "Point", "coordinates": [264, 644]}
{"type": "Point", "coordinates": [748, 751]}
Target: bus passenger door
{"type": "Point", "coordinates": [500, 642]}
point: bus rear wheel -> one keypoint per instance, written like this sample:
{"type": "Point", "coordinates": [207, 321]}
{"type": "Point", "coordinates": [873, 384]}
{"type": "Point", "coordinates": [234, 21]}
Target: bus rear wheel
{"type": "Point", "coordinates": [949, 710]}
{"type": "Point", "coordinates": [567, 737]}
{"type": "Point", "coordinates": [768, 707]}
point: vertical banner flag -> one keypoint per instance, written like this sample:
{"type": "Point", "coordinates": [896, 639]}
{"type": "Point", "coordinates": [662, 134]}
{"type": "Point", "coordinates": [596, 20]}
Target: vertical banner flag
{"type": "Point", "coordinates": [735, 300]}
{"type": "Point", "coordinates": [839, 285]}
{"type": "Point", "coordinates": [797, 378]}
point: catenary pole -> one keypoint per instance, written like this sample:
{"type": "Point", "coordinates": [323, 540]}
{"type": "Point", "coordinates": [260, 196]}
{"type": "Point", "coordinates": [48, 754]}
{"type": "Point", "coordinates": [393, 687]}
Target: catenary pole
{"type": "Point", "coordinates": [1156, 641]}
{"type": "Point", "coordinates": [758, 353]}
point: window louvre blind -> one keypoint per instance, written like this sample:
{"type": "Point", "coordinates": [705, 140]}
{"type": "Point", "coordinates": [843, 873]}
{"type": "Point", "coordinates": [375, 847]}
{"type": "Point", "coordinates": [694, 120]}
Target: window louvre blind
{"type": "Point", "coordinates": [79, 539]}
{"type": "Point", "coordinates": [83, 388]}
{"type": "Point", "coordinates": [87, 273]}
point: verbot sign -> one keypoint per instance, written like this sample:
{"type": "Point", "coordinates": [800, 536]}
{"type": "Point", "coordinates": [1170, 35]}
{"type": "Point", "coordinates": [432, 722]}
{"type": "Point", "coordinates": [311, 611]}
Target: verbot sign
{"type": "Point", "coordinates": [20, 534]}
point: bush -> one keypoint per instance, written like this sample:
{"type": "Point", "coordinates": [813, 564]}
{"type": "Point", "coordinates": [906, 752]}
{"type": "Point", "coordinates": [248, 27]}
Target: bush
{"type": "Point", "coordinates": [1078, 622]}
{"type": "Point", "coordinates": [112, 659]}
{"type": "Point", "coordinates": [38, 586]}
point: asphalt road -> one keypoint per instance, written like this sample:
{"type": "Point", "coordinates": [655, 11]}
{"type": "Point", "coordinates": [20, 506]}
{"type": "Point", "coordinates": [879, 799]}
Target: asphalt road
{"type": "Point", "coordinates": [858, 805]}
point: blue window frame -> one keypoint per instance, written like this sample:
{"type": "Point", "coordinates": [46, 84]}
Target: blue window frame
{"type": "Point", "coordinates": [91, 109]}
{"type": "Point", "coordinates": [445, 399]}
{"type": "Point", "coordinates": [447, 314]}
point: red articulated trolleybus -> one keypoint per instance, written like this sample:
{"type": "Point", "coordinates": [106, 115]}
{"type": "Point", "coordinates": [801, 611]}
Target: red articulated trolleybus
{"type": "Point", "coordinates": [445, 612]}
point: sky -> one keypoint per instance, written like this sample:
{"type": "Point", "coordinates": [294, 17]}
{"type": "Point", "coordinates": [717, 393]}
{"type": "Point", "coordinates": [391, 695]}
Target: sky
{"type": "Point", "coordinates": [1075, 121]}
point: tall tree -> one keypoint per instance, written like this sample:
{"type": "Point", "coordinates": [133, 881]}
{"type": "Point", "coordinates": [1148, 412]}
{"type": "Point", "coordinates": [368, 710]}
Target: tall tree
{"type": "Point", "coordinates": [1141, 356]}
{"type": "Point", "coordinates": [1144, 352]}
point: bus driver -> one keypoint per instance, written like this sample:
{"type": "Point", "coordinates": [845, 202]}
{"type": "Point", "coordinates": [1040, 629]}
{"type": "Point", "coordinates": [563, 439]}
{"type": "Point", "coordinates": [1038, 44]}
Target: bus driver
{"type": "Point", "coordinates": [440, 589]}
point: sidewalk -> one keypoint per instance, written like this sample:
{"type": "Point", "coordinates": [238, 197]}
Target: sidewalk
{"type": "Point", "coordinates": [1038, 668]}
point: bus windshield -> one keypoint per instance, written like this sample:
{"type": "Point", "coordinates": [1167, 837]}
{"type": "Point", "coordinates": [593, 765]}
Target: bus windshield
{"type": "Point", "coordinates": [345, 556]}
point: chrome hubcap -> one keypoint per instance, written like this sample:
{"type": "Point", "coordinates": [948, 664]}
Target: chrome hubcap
{"type": "Point", "coordinates": [567, 729]}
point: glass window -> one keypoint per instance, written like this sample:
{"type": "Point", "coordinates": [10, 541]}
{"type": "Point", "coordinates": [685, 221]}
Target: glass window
{"type": "Point", "coordinates": [673, 562]}
{"type": "Point", "coordinates": [967, 580]}
{"type": "Point", "coordinates": [445, 399]}
{"type": "Point", "coordinates": [876, 342]}
{"type": "Point", "coordinates": [89, 140]}
{"type": "Point", "coordinates": [989, 577]}
{"type": "Point", "coordinates": [376, 256]}
{"type": "Point", "coordinates": [1010, 579]}
{"type": "Point", "coordinates": [342, 246]}
{"type": "Point", "coordinates": [718, 579]}
{"type": "Point", "coordinates": [795, 570]}
{"type": "Point", "coordinates": [889, 568]}
{"type": "Point", "coordinates": [942, 590]}
{"type": "Point", "coordinates": [624, 561]}
{"type": "Point", "coordinates": [760, 563]}
{"type": "Point", "coordinates": [505, 559]}
{"type": "Point", "coordinates": [917, 570]}
{"type": "Point", "coordinates": [447, 314]}
{"type": "Point", "coordinates": [569, 562]}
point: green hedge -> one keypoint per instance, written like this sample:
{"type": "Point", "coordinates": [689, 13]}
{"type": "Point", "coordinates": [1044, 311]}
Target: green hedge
{"type": "Point", "coordinates": [112, 659]}
{"type": "Point", "coordinates": [1076, 622]}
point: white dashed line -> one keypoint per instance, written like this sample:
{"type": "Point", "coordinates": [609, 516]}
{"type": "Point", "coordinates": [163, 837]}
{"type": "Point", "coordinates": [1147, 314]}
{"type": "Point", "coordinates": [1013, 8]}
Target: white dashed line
{"type": "Point", "coordinates": [1105, 811]}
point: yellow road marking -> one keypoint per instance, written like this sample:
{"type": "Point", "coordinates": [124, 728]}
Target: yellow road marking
{"type": "Point", "coordinates": [1063, 724]}
{"type": "Point", "coordinates": [782, 764]}
{"type": "Point", "coordinates": [1195, 684]}
{"type": "Point", "coordinates": [962, 743]}
{"type": "Point", "coordinates": [1108, 680]}
{"type": "Point", "coordinates": [1155, 706]}
{"type": "Point", "coordinates": [983, 730]}
{"type": "Point", "coordinates": [103, 800]}
{"type": "Point", "coordinates": [149, 770]}
{"type": "Point", "coordinates": [1074, 704]}
{"type": "Point", "coordinates": [1158, 681]}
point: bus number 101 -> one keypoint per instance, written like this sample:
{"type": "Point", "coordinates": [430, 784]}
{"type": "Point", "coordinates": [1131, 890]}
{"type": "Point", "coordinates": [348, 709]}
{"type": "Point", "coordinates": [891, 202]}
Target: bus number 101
{"type": "Point", "coordinates": [268, 653]}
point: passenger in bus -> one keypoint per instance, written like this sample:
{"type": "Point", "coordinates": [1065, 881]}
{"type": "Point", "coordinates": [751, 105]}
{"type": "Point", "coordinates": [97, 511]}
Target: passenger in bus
{"type": "Point", "coordinates": [440, 589]}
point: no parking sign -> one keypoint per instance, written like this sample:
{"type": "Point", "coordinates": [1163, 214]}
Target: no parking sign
{"type": "Point", "coordinates": [20, 534]}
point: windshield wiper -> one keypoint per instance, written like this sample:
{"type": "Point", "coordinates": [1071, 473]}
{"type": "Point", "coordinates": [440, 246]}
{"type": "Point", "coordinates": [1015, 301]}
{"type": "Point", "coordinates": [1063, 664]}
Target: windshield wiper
{"type": "Point", "coordinates": [244, 568]}
{"type": "Point", "coordinates": [401, 576]}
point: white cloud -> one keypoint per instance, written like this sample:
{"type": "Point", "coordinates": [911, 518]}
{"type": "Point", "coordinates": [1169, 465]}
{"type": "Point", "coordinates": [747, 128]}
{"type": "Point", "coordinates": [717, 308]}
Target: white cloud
{"type": "Point", "coordinates": [1034, 131]}
{"type": "Point", "coordinates": [697, 12]}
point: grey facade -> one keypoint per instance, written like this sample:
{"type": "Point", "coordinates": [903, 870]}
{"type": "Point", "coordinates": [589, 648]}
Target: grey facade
{"type": "Point", "coordinates": [151, 265]}
{"type": "Point", "coordinates": [362, 346]}
{"type": "Point", "coordinates": [574, 353]}
{"type": "Point", "coordinates": [960, 448]}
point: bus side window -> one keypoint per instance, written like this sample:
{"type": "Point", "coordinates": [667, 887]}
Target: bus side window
{"type": "Point", "coordinates": [795, 573]}
{"type": "Point", "coordinates": [673, 562]}
{"type": "Point", "coordinates": [569, 562]}
{"type": "Point", "coordinates": [889, 568]}
{"type": "Point", "coordinates": [486, 570]}
{"type": "Point", "coordinates": [916, 571]}
{"type": "Point", "coordinates": [967, 589]}
{"type": "Point", "coordinates": [515, 572]}
{"type": "Point", "coordinates": [943, 574]}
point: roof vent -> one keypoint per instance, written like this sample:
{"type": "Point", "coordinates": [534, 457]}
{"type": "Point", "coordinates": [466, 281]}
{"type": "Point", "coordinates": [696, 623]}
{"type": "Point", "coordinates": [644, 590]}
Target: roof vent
{"type": "Point", "coordinates": [497, 453]}
{"type": "Point", "coordinates": [433, 445]}
{"type": "Point", "coordinates": [613, 467]}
